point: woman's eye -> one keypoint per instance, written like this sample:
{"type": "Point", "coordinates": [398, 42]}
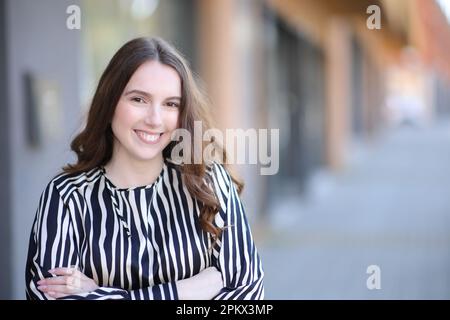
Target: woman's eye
{"type": "Point", "coordinates": [137, 99]}
{"type": "Point", "coordinates": [172, 104]}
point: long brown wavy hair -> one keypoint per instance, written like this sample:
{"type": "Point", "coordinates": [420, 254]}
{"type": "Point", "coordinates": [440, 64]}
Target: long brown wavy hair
{"type": "Point", "coordinates": [94, 145]}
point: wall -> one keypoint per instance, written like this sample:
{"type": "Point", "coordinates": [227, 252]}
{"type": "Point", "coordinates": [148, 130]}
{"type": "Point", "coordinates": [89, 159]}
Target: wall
{"type": "Point", "coordinates": [38, 42]}
{"type": "Point", "coordinates": [5, 201]}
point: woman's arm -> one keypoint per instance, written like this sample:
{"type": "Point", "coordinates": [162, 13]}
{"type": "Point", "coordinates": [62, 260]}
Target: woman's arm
{"type": "Point", "coordinates": [235, 254]}
{"type": "Point", "coordinates": [72, 284]}
{"type": "Point", "coordinates": [203, 286]}
{"type": "Point", "coordinates": [53, 243]}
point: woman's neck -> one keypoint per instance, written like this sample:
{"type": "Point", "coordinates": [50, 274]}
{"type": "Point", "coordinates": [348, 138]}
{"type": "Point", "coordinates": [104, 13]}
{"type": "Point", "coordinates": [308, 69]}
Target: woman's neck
{"type": "Point", "coordinates": [129, 173]}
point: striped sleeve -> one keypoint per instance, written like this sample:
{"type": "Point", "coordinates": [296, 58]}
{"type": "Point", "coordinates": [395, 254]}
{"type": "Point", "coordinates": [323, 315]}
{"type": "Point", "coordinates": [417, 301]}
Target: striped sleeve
{"type": "Point", "coordinates": [54, 242]}
{"type": "Point", "coordinates": [163, 291]}
{"type": "Point", "coordinates": [235, 254]}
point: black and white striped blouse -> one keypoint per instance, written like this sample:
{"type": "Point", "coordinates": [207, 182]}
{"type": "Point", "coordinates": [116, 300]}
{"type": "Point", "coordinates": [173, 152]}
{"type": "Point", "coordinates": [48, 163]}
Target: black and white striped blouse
{"type": "Point", "coordinates": [135, 243]}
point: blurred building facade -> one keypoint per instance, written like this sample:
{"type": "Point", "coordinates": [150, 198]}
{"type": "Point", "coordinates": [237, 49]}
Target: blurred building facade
{"type": "Point", "coordinates": [316, 71]}
{"type": "Point", "coordinates": [310, 68]}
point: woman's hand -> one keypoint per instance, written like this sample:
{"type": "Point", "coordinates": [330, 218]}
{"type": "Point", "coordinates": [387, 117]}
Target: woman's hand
{"type": "Point", "coordinates": [68, 281]}
{"type": "Point", "coordinates": [203, 286]}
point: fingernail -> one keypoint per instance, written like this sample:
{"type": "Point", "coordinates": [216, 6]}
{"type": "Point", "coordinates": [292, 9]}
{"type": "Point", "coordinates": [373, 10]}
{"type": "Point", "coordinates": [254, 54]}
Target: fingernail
{"type": "Point", "coordinates": [42, 287]}
{"type": "Point", "coordinates": [40, 282]}
{"type": "Point", "coordinates": [51, 270]}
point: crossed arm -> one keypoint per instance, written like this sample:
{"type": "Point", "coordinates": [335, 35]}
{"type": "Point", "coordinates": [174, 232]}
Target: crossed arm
{"type": "Point", "coordinates": [68, 281]}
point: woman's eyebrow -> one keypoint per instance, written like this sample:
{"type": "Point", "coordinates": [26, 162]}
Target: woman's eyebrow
{"type": "Point", "coordinates": [148, 95]}
{"type": "Point", "coordinates": [143, 93]}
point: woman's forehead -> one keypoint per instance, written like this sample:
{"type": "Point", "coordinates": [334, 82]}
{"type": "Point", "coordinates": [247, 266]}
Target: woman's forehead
{"type": "Point", "coordinates": [156, 78]}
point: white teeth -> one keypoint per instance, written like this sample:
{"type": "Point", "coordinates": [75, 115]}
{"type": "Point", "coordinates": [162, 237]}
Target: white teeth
{"type": "Point", "coordinates": [148, 137]}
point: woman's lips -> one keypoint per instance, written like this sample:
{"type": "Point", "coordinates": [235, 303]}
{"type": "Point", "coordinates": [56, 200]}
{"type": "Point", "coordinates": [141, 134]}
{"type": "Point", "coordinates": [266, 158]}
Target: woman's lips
{"type": "Point", "coordinates": [147, 137]}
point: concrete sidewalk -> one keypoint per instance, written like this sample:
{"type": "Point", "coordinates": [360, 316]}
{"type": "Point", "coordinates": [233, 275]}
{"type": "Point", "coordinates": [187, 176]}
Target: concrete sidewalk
{"type": "Point", "coordinates": [390, 208]}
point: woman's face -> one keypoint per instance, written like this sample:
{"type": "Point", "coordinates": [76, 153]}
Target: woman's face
{"type": "Point", "coordinates": [147, 112]}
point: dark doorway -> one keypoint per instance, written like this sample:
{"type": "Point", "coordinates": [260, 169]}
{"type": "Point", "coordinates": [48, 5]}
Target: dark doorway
{"type": "Point", "coordinates": [300, 86]}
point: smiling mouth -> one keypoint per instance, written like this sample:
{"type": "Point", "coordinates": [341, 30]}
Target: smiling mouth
{"type": "Point", "coordinates": [149, 138]}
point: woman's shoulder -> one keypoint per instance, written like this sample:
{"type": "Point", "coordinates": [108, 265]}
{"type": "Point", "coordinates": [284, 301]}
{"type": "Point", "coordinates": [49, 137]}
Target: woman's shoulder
{"type": "Point", "coordinates": [65, 183]}
{"type": "Point", "coordinates": [216, 173]}
{"type": "Point", "coordinates": [220, 178]}
{"type": "Point", "coordinates": [219, 171]}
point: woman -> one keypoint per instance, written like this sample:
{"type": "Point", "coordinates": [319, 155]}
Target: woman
{"type": "Point", "coordinates": [126, 222]}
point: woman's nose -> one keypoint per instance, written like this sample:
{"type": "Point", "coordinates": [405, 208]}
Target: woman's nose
{"type": "Point", "coordinates": [153, 116]}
